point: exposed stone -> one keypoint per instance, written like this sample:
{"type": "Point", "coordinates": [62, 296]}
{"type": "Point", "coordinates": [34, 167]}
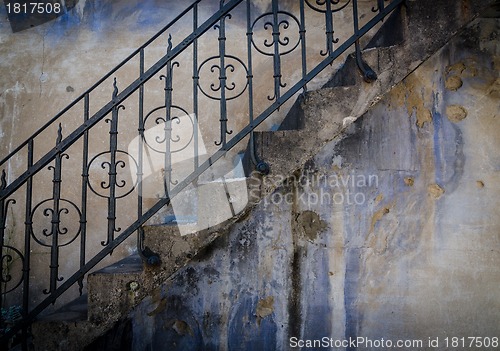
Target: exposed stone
{"type": "Point", "coordinates": [453, 83]}
{"type": "Point", "coordinates": [311, 224]}
{"type": "Point", "coordinates": [377, 216]}
{"type": "Point", "coordinates": [456, 113]}
{"type": "Point", "coordinates": [265, 307]}
{"type": "Point", "coordinates": [435, 191]}
{"type": "Point", "coordinates": [409, 181]}
{"type": "Point", "coordinates": [423, 116]}
{"type": "Point", "coordinates": [494, 90]}
{"type": "Point", "coordinates": [456, 68]}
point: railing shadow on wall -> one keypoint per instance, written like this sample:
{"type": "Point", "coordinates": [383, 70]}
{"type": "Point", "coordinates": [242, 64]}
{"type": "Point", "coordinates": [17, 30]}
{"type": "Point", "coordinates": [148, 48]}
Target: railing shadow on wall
{"type": "Point", "coordinates": [96, 186]}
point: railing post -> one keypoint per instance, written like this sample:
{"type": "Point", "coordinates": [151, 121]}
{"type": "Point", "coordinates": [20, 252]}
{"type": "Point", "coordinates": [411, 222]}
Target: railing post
{"type": "Point", "coordinates": [85, 179]}
{"type": "Point", "coordinates": [222, 79]}
{"type": "Point", "coordinates": [276, 56]}
{"type": "Point", "coordinates": [3, 224]}
{"type": "Point", "coordinates": [55, 211]}
{"type": "Point", "coordinates": [369, 74]}
{"type": "Point", "coordinates": [112, 173]}
{"type": "Point", "coordinates": [261, 166]}
{"type": "Point", "coordinates": [167, 127]}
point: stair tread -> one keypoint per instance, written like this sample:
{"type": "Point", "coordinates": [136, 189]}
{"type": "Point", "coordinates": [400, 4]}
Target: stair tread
{"type": "Point", "coordinates": [74, 311]}
{"type": "Point", "coordinates": [130, 264]}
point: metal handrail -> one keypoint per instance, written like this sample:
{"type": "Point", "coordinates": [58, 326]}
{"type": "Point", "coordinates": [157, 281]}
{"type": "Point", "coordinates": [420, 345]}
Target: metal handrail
{"type": "Point", "coordinates": [171, 188]}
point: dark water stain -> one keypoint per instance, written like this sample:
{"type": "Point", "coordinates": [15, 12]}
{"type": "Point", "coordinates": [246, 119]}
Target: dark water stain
{"type": "Point", "coordinates": [294, 295]}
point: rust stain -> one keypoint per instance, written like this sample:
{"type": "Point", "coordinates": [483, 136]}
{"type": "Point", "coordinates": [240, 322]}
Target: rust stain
{"type": "Point", "coordinates": [453, 83]}
{"type": "Point", "coordinates": [435, 191]}
{"type": "Point", "coordinates": [377, 216]}
{"type": "Point", "coordinates": [456, 113]}
{"type": "Point", "coordinates": [265, 307]}
{"type": "Point", "coordinates": [456, 68]}
{"type": "Point", "coordinates": [379, 198]}
{"type": "Point", "coordinates": [411, 93]}
{"type": "Point", "coordinates": [494, 89]}
{"type": "Point", "coordinates": [409, 181]}
{"type": "Point", "coordinates": [480, 184]}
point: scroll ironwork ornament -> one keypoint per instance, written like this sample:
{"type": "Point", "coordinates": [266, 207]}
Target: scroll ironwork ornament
{"type": "Point", "coordinates": [112, 160]}
{"type": "Point", "coordinates": [279, 22]}
{"type": "Point", "coordinates": [214, 68]}
{"type": "Point", "coordinates": [282, 40]}
{"type": "Point", "coordinates": [322, 5]}
{"type": "Point", "coordinates": [380, 6]}
{"type": "Point", "coordinates": [7, 252]}
{"type": "Point", "coordinates": [9, 256]}
{"type": "Point", "coordinates": [167, 142]}
{"type": "Point", "coordinates": [57, 234]}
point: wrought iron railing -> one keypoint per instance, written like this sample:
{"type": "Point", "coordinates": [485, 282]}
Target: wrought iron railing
{"type": "Point", "coordinates": [64, 217]}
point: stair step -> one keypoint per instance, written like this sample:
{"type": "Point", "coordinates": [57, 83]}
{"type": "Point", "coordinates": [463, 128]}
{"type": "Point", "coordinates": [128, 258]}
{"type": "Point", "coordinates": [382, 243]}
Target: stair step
{"type": "Point", "coordinates": [74, 311]}
{"type": "Point", "coordinates": [113, 290]}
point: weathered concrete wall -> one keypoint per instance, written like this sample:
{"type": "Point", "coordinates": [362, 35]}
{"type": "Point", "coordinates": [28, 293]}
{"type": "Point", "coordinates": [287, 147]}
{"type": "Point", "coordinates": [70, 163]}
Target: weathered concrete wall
{"type": "Point", "coordinates": [390, 233]}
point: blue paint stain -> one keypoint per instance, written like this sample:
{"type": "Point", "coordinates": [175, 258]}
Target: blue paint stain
{"type": "Point", "coordinates": [437, 121]}
{"type": "Point", "coordinates": [448, 150]}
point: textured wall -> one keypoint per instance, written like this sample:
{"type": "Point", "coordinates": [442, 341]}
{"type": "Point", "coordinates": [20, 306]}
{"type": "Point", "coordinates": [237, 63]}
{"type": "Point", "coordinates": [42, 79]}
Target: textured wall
{"type": "Point", "coordinates": [391, 233]}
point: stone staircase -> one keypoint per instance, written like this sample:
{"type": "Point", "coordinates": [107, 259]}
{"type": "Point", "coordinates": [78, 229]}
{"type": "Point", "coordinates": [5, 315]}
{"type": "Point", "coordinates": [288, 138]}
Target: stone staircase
{"type": "Point", "coordinates": [406, 39]}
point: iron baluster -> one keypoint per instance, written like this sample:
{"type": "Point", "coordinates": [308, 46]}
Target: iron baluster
{"type": "Point", "coordinates": [85, 179]}
{"type": "Point", "coordinates": [52, 236]}
{"type": "Point", "coordinates": [56, 220]}
{"type": "Point", "coordinates": [140, 155]}
{"type": "Point", "coordinates": [276, 56]}
{"type": "Point", "coordinates": [3, 225]}
{"type": "Point", "coordinates": [112, 173]}
{"type": "Point", "coordinates": [147, 255]}
{"type": "Point", "coordinates": [6, 251]}
{"type": "Point", "coordinates": [27, 245]}
{"type": "Point", "coordinates": [195, 89]}
{"type": "Point", "coordinates": [259, 164]}
{"type": "Point", "coordinates": [27, 241]}
{"type": "Point", "coordinates": [167, 127]}
{"type": "Point", "coordinates": [330, 40]}
{"type": "Point", "coordinates": [369, 74]}
{"type": "Point", "coordinates": [302, 33]}
{"type": "Point", "coordinates": [222, 79]}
